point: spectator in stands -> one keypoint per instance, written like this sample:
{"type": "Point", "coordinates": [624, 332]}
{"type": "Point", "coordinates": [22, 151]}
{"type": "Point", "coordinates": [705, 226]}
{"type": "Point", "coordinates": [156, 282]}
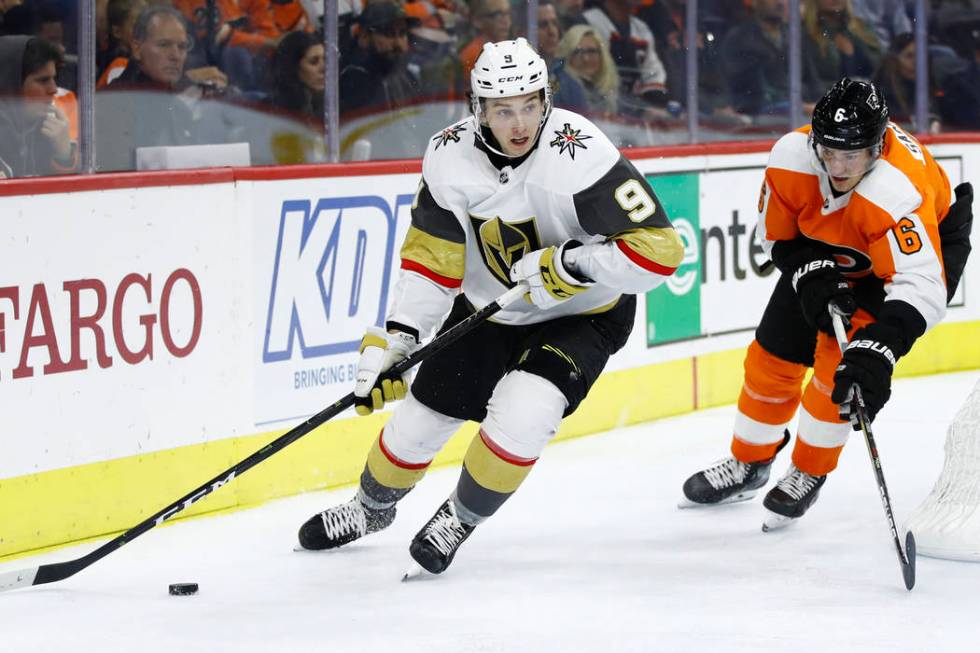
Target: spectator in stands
{"type": "Point", "coordinates": [36, 133]}
{"type": "Point", "coordinates": [667, 20]}
{"type": "Point", "coordinates": [298, 66]}
{"type": "Point", "coordinates": [588, 62]}
{"type": "Point", "coordinates": [45, 20]}
{"type": "Point", "coordinates": [373, 75]}
{"type": "Point", "coordinates": [886, 18]}
{"type": "Point", "coordinates": [896, 80]}
{"type": "Point", "coordinates": [149, 104]}
{"type": "Point", "coordinates": [836, 44]}
{"type": "Point", "coordinates": [290, 16]}
{"type": "Point", "coordinates": [51, 26]}
{"type": "Point", "coordinates": [121, 16]}
{"type": "Point", "coordinates": [642, 76]}
{"type": "Point", "coordinates": [101, 29]}
{"type": "Point", "coordinates": [7, 4]}
{"type": "Point", "coordinates": [238, 38]}
{"type": "Point", "coordinates": [431, 57]}
{"type": "Point", "coordinates": [492, 21]}
{"type": "Point", "coordinates": [755, 60]}
{"type": "Point", "coordinates": [959, 104]}
{"type": "Point", "coordinates": [160, 45]}
{"type": "Point", "coordinates": [570, 13]}
{"type": "Point", "coordinates": [41, 19]}
{"type": "Point", "coordinates": [244, 23]}
{"type": "Point", "coordinates": [549, 31]}
{"type": "Point", "coordinates": [568, 90]}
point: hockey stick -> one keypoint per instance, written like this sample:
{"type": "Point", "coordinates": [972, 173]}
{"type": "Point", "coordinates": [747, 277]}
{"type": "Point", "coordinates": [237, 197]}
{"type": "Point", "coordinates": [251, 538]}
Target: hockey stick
{"type": "Point", "coordinates": [54, 572]}
{"type": "Point", "coordinates": [906, 558]}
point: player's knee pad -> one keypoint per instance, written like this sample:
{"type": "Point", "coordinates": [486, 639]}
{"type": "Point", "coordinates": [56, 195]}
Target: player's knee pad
{"type": "Point", "coordinates": [524, 413]}
{"type": "Point", "coordinates": [415, 433]}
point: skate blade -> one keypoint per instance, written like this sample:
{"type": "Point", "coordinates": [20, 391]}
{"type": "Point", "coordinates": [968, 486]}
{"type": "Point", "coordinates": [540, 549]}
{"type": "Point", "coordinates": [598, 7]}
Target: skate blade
{"type": "Point", "coordinates": [774, 522]}
{"type": "Point", "coordinates": [414, 572]}
{"type": "Point", "coordinates": [735, 498]}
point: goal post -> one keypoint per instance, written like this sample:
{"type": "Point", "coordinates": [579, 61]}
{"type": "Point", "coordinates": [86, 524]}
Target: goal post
{"type": "Point", "coordinates": [947, 524]}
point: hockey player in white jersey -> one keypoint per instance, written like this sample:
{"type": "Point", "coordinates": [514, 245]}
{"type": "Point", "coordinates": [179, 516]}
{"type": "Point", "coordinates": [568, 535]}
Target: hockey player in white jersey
{"type": "Point", "coordinates": [518, 192]}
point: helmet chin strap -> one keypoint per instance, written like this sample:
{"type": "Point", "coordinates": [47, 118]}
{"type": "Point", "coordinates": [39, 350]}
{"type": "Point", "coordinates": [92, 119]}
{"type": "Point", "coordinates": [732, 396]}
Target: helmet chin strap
{"type": "Point", "coordinates": [478, 112]}
{"type": "Point", "coordinates": [488, 142]}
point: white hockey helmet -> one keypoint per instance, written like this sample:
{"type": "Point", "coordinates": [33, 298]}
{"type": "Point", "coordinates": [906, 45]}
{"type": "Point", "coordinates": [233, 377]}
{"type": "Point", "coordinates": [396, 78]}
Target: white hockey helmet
{"type": "Point", "coordinates": [508, 69]}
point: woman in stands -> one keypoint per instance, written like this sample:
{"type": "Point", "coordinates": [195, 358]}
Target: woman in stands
{"type": "Point", "coordinates": [588, 62]}
{"type": "Point", "coordinates": [896, 79]}
{"type": "Point", "coordinates": [298, 70]}
{"type": "Point", "coordinates": [836, 44]}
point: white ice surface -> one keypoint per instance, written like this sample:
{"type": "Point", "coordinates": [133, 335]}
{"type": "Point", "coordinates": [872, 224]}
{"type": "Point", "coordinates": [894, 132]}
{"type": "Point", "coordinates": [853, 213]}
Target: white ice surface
{"type": "Point", "coordinates": [590, 555]}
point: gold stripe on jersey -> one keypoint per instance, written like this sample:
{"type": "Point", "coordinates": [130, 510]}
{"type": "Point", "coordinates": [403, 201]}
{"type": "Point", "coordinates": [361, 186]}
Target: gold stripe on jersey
{"type": "Point", "coordinates": [441, 256]}
{"type": "Point", "coordinates": [492, 470]}
{"type": "Point", "coordinates": [391, 472]}
{"type": "Point", "coordinates": [662, 245]}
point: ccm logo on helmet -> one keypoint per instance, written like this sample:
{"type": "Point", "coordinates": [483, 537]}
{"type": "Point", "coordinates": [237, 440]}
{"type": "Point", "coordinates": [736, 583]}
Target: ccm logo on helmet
{"type": "Point", "coordinates": [510, 79]}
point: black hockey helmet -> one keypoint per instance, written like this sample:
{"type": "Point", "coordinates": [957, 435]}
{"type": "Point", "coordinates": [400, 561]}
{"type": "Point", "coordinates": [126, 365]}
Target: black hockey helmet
{"type": "Point", "coordinates": [851, 116]}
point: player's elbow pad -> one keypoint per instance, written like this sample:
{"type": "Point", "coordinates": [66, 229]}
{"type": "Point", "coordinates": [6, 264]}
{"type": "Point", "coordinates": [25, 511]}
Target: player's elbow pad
{"type": "Point", "coordinates": [419, 303]}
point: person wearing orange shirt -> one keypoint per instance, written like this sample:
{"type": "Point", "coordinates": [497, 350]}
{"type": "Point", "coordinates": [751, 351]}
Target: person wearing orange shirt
{"type": "Point", "coordinates": [238, 39]}
{"type": "Point", "coordinates": [853, 211]}
{"type": "Point", "coordinates": [290, 16]}
{"type": "Point", "coordinates": [245, 23]}
{"type": "Point", "coordinates": [493, 21]}
{"type": "Point", "coordinates": [35, 134]}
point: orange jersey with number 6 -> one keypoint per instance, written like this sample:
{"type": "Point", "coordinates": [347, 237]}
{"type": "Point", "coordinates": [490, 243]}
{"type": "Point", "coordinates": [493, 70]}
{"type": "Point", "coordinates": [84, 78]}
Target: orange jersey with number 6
{"type": "Point", "coordinates": [886, 226]}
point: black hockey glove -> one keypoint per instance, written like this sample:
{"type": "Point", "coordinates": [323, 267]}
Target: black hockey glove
{"type": "Point", "coordinates": [818, 282]}
{"type": "Point", "coordinates": [868, 362]}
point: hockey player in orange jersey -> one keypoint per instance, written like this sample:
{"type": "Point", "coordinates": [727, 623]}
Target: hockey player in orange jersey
{"type": "Point", "coordinates": [854, 211]}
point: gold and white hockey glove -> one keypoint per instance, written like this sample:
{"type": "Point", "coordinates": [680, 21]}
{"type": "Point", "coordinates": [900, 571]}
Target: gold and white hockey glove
{"type": "Point", "coordinates": [549, 281]}
{"type": "Point", "coordinates": [379, 351]}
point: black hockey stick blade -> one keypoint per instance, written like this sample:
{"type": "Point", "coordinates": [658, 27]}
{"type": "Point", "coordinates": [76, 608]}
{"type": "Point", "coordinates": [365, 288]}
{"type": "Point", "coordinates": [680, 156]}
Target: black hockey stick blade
{"type": "Point", "coordinates": [908, 564]}
{"type": "Point", "coordinates": [54, 572]}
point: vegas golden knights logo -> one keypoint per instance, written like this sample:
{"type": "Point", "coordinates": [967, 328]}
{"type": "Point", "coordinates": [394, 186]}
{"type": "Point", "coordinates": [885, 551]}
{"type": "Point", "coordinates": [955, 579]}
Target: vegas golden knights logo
{"type": "Point", "coordinates": [504, 243]}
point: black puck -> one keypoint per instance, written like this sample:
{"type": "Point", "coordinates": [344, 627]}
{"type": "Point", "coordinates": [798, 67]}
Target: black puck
{"type": "Point", "coordinates": [183, 589]}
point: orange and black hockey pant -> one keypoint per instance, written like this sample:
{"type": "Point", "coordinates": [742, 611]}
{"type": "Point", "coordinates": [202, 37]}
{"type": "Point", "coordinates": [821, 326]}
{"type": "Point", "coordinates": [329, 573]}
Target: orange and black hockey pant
{"type": "Point", "coordinates": [785, 346]}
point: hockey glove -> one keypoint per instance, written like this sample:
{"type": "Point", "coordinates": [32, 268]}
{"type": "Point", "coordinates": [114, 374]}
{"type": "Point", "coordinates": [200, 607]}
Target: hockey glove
{"type": "Point", "coordinates": [549, 281]}
{"type": "Point", "coordinates": [818, 282]}
{"type": "Point", "coordinates": [379, 351]}
{"type": "Point", "coordinates": [868, 362]}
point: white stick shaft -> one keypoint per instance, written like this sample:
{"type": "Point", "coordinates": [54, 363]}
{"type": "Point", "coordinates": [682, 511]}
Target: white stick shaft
{"type": "Point", "coordinates": [512, 295]}
{"type": "Point", "coordinates": [838, 327]}
{"type": "Point", "coordinates": [11, 580]}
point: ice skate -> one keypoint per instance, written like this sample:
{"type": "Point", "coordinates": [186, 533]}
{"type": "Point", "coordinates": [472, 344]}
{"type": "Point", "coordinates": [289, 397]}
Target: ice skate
{"type": "Point", "coordinates": [727, 481]}
{"type": "Point", "coordinates": [342, 525]}
{"type": "Point", "coordinates": [434, 547]}
{"type": "Point", "coordinates": [791, 498]}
